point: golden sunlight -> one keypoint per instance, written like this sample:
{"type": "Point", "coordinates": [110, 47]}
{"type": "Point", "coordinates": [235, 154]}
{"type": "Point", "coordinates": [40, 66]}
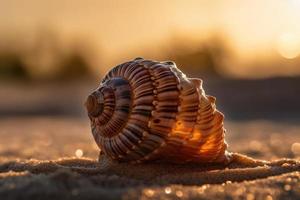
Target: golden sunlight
{"type": "Point", "coordinates": [288, 45]}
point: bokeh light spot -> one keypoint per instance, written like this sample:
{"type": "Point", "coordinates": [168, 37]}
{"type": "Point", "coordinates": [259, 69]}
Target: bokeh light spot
{"type": "Point", "coordinates": [287, 187]}
{"type": "Point", "coordinates": [79, 153]}
{"type": "Point", "coordinates": [179, 193]}
{"type": "Point", "coordinates": [149, 192]}
{"type": "Point", "coordinates": [168, 190]}
{"type": "Point", "coordinates": [296, 148]}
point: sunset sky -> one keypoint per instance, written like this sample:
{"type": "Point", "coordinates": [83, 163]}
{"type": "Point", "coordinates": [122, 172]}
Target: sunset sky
{"type": "Point", "coordinates": [124, 29]}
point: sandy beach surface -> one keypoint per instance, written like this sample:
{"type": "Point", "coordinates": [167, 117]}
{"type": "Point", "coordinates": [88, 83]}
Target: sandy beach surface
{"type": "Point", "coordinates": [56, 158]}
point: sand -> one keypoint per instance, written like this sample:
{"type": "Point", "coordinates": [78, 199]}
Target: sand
{"type": "Point", "coordinates": [37, 161]}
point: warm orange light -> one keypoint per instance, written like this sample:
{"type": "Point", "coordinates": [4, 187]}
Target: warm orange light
{"type": "Point", "coordinates": [288, 45]}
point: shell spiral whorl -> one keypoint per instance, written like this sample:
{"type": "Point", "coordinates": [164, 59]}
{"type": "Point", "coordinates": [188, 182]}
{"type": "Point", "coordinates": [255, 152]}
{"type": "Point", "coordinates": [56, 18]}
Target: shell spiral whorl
{"type": "Point", "coordinates": [145, 110]}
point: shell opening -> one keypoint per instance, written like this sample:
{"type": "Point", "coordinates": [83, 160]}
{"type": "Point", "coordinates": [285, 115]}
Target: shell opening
{"type": "Point", "coordinates": [95, 104]}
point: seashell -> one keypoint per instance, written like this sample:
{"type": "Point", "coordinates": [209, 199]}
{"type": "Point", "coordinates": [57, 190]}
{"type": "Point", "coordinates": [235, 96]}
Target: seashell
{"type": "Point", "coordinates": [148, 110]}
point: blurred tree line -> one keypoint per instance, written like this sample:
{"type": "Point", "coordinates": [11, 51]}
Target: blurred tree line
{"type": "Point", "coordinates": [46, 59]}
{"type": "Point", "coordinates": [203, 58]}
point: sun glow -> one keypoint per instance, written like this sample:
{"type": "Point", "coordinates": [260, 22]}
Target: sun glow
{"type": "Point", "coordinates": [288, 45]}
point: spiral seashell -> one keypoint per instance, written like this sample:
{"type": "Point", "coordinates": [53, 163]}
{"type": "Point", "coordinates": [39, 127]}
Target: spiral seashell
{"type": "Point", "coordinates": [148, 110]}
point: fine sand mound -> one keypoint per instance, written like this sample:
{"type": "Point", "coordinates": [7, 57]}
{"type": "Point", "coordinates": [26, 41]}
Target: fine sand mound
{"type": "Point", "coordinates": [45, 177]}
{"type": "Point", "coordinates": [90, 179]}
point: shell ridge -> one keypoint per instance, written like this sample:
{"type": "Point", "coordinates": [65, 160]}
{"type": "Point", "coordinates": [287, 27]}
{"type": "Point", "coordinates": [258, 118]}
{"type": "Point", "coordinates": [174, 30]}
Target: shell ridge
{"type": "Point", "coordinates": [151, 110]}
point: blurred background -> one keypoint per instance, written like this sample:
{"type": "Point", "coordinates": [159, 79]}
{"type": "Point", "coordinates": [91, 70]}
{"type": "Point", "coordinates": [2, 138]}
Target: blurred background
{"type": "Point", "coordinates": [53, 53]}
